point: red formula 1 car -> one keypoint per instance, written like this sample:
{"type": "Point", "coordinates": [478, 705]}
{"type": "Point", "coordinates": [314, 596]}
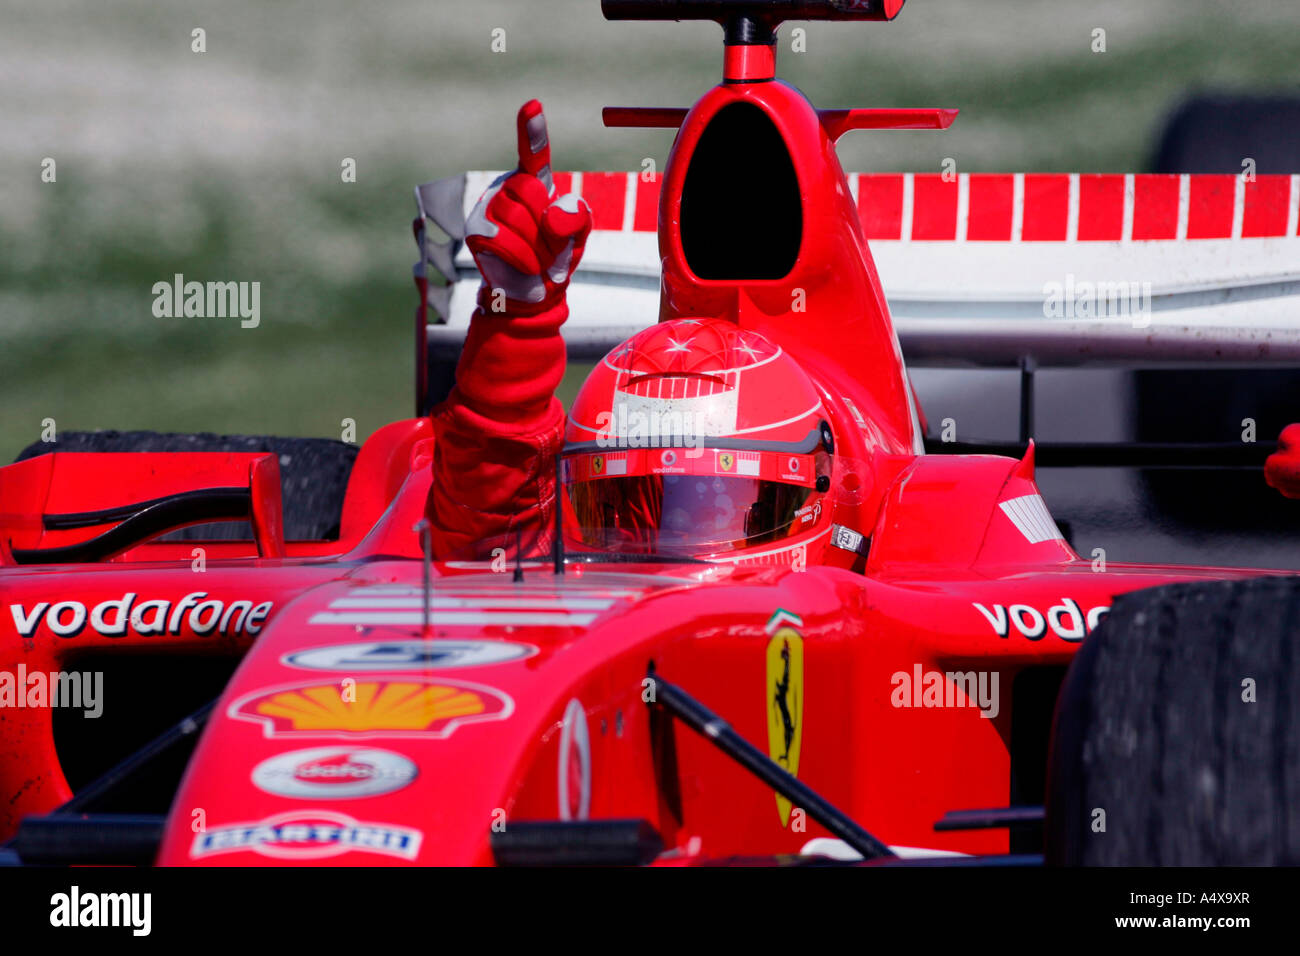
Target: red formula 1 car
{"type": "Point", "coordinates": [906, 659]}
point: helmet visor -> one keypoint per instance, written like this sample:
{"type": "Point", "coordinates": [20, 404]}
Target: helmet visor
{"type": "Point", "coordinates": [689, 514]}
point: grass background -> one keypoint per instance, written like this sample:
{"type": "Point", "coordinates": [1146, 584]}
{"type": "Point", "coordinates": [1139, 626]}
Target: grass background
{"type": "Point", "coordinates": [225, 165]}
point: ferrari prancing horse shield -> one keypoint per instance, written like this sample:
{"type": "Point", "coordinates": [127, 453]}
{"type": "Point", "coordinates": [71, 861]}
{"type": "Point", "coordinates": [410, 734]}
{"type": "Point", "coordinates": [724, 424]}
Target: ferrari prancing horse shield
{"type": "Point", "coordinates": [784, 697]}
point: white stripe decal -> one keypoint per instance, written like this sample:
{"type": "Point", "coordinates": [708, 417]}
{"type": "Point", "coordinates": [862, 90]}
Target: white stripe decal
{"type": "Point", "coordinates": [963, 205]}
{"type": "Point", "coordinates": [1030, 525]}
{"type": "Point", "coordinates": [477, 603]}
{"type": "Point", "coordinates": [1293, 211]}
{"type": "Point", "coordinates": [1126, 235]}
{"type": "Point", "coordinates": [1042, 521]}
{"type": "Point", "coordinates": [1072, 210]}
{"type": "Point", "coordinates": [629, 202]}
{"type": "Point", "coordinates": [1238, 205]}
{"type": "Point", "coordinates": [505, 590]}
{"type": "Point", "coordinates": [1016, 513]}
{"type": "Point", "coordinates": [1017, 206]}
{"type": "Point", "coordinates": [520, 590]}
{"type": "Point", "coordinates": [455, 618]}
{"type": "Point", "coordinates": [905, 231]}
{"type": "Point", "coordinates": [1032, 519]}
{"type": "Point", "coordinates": [1184, 204]}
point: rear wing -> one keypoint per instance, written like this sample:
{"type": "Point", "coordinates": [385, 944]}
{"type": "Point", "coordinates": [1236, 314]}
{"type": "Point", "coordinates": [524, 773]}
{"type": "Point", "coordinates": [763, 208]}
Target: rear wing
{"type": "Point", "coordinates": [989, 270]}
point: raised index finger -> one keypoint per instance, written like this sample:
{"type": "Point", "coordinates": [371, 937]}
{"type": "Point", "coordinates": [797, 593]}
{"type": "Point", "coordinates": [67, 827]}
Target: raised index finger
{"type": "Point", "coordinates": [534, 144]}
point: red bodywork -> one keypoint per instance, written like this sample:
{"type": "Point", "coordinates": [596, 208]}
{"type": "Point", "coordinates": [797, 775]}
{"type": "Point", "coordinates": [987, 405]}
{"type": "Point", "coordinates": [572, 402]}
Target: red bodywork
{"type": "Point", "coordinates": [965, 573]}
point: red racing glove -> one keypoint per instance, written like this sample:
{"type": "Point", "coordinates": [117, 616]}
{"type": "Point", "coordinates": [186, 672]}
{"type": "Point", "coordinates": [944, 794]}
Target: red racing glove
{"type": "Point", "coordinates": [1282, 468]}
{"type": "Point", "coordinates": [525, 242]}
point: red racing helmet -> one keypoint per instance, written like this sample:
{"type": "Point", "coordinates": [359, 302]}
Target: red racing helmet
{"type": "Point", "coordinates": [698, 438]}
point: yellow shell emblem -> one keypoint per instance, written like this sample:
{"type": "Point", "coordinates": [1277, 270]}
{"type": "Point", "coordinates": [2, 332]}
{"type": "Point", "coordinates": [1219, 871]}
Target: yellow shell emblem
{"type": "Point", "coordinates": [372, 708]}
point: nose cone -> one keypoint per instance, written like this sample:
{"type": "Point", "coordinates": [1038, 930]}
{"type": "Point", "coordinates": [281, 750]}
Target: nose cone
{"type": "Point", "coordinates": [348, 738]}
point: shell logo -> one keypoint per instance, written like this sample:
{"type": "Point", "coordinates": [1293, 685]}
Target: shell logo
{"type": "Point", "coordinates": [372, 708]}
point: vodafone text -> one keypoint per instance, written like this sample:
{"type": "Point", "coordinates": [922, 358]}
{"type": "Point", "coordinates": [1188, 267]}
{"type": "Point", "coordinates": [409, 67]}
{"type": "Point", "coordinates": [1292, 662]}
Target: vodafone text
{"type": "Point", "coordinates": [112, 618]}
{"type": "Point", "coordinates": [1066, 620]}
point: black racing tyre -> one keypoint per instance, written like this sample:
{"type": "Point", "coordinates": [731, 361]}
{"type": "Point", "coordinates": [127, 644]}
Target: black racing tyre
{"type": "Point", "coordinates": [1156, 728]}
{"type": "Point", "coordinates": [314, 474]}
{"type": "Point", "coordinates": [1215, 132]}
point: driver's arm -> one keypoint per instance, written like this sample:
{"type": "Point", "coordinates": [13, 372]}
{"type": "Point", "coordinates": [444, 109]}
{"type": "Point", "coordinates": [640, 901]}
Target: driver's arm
{"type": "Point", "coordinates": [499, 430]}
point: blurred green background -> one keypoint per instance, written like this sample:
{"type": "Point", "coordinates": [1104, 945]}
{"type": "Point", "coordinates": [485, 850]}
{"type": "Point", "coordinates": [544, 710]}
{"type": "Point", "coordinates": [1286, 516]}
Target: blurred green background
{"type": "Point", "coordinates": [225, 165]}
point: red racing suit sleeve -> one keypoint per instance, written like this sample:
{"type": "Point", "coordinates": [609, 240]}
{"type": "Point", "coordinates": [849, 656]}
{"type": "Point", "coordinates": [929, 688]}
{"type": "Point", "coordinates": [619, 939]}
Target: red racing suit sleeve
{"type": "Point", "coordinates": [497, 435]}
